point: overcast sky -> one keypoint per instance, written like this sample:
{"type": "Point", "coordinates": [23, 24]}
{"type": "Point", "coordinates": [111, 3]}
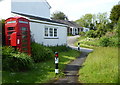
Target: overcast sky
{"type": "Point", "coordinates": [74, 9]}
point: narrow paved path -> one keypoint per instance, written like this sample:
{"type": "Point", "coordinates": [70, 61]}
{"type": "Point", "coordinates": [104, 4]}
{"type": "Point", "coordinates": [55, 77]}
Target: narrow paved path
{"type": "Point", "coordinates": [72, 69]}
{"type": "Point", "coordinates": [72, 39]}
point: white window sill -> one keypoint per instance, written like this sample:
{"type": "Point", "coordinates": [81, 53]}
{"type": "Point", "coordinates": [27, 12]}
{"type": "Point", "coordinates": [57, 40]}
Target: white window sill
{"type": "Point", "coordinates": [51, 38]}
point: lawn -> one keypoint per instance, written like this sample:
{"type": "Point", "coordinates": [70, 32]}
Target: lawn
{"type": "Point", "coordinates": [101, 66]}
{"type": "Point", "coordinates": [42, 72]}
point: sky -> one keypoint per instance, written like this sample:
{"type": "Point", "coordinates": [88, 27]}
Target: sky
{"type": "Point", "coordinates": [74, 9]}
{"type": "Point", "coordinates": [5, 8]}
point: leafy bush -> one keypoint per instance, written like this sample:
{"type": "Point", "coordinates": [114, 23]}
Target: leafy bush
{"type": "Point", "coordinates": [15, 61]}
{"type": "Point", "coordinates": [61, 48]}
{"type": "Point", "coordinates": [69, 34]}
{"type": "Point", "coordinates": [91, 34]}
{"type": "Point", "coordinates": [105, 41]}
{"type": "Point", "coordinates": [112, 42]}
{"type": "Point", "coordinates": [82, 33]}
{"type": "Point", "coordinates": [40, 52]}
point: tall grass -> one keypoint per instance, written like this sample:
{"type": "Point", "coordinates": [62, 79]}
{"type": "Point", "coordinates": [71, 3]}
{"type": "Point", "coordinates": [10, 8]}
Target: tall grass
{"type": "Point", "coordinates": [101, 66]}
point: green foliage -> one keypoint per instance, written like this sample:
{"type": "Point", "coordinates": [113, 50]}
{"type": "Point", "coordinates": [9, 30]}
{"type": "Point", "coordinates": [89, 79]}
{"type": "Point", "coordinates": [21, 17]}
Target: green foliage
{"type": "Point", "coordinates": [40, 52]}
{"type": "Point", "coordinates": [110, 40]}
{"type": "Point", "coordinates": [115, 14]}
{"type": "Point", "coordinates": [14, 60]}
{"type": "Point", "coordinates": [117, 28]}
{"type": "Point", "coordinates": [59, 16]}
{"type": "Point", "coordinates": [59, 49]}
{"type": "Point", "coordinates": [82, 33]}
{"type": "Point", "coordinates": [69, 34]}
{"type": "Point", "coordinates": [114, 42]}
{"type": "Point", "coordinates": [92, 20]}
{"type": "Point", "coordinates": [85, 20]}
{"type": "Point", "coordinates": [101, 30]}
{"type": "Point", "coordinates": [102, 18]}
{"type": "Point", "coordinates": [109, 27]}
{"type": "Point", "coordinates": [42, 72]}
{"type": "Point", "coordinates": [91, 34]}
{"type": "Point", "coordinates": [106, 41]}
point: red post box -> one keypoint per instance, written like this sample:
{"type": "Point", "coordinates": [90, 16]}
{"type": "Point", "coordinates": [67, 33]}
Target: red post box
{"type": "Point", "coordinates": [17, 33]}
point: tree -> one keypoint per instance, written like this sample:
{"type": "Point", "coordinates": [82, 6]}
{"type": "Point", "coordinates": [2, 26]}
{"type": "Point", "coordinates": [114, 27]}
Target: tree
{"type": "Point", "coordinates": [85, 20]}
{"type": "Point", "coordinates": [93, 21]}
{"type": "Point", "coordinates": [102, 18]}
{"type": "Point", "coordinates": [115, 14]}
{"type": "Point", "coordinates": [117, 28]}
{"type": "Point", "coordinates": [81, 22]}
{"type": "Point", "coordinates": [59, 15]}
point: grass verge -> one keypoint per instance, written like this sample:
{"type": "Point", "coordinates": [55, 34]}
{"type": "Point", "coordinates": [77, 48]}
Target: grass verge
{"type": "Point", "coordinates": [87, 42]}
{"type": "Point", "coordinates": [101, 66]}
{"type": "Point", "coordinates": [42, 72]}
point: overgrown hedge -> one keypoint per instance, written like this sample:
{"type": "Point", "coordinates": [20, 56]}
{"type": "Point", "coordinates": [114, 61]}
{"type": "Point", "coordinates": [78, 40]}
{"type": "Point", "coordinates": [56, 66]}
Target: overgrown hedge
{"type": "Point", "coordinates": [40, 52]}
{"type": "Point", "coordinates": [61, 48]}
{"type": "Point", "coordinates": [15, 61]}
{"type": "Point", "coordinates": [106, 41]}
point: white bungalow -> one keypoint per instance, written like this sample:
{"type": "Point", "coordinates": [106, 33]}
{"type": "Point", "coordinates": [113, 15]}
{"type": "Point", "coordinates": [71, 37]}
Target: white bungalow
{"type": "Point", "coordinates": [43, 30]}
{"type": "Point", "coordinates": [73, 28]}
{"type": "Point", "coordinates": [85, 29]}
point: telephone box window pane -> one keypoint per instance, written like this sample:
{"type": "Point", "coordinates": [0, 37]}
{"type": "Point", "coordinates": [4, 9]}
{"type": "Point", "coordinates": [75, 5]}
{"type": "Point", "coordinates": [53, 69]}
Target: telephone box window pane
{"type": "Point", "coordinates": [55, 32]}
{"type": "Point", "coordinates": [10, 33]}
{"type": "Point", "coordinates": [24, 45]}
{"type": "Point", "coordinates": [51, 31]}
{"type": "Point", "coordinates": [46, 31]}
{"type": "Point", "coordinates": [24, 33]}
{"type": "Point", "coordinates": [24, 49]}
{"type": "Point", "coordinates": [10, 28]}
{"type": "Point", "coordinates": [24, 41]}
{"type": "Point", "coordinates": [23, 22]}
{"type": "Point", "coordinates": [24, 37]}
{"type": "Point", "coordinates": [11, 22]}
{"type": "Point", "coordinates": [24, 28]}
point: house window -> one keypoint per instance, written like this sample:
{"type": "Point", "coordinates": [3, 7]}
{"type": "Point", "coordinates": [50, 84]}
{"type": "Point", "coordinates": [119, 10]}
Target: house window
{"type": "Point", "coordinates": [46, 31]}
{"type": "Point", "coordinates": [50, 32]}
{"type": "Point", "coordinates": [55, 32]}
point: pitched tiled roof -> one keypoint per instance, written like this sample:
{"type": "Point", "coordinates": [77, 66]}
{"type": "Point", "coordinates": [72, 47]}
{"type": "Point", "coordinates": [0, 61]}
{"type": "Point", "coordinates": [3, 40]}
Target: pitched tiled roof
{"type": "Point", "coordinates": [69, 23]}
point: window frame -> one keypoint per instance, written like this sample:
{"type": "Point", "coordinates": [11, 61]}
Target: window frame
{"type": "Point", "coordinates": [53, 34]}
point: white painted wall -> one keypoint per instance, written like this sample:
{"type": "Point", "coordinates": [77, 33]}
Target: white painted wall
{"type": "Point", "coordinates": [37, 30]}
{"type": "Point", "coordinates": [41, 8]}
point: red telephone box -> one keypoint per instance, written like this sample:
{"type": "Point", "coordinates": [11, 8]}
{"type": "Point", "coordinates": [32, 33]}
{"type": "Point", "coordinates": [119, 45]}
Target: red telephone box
{"type": "Point", "coordinates": [17, 33]}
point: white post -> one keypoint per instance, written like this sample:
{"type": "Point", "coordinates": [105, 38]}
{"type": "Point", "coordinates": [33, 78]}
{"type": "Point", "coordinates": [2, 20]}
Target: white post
{"type": "Point", "coordinates": [56, 63]}
{"type": "Point", "coordinates": [78, 46]}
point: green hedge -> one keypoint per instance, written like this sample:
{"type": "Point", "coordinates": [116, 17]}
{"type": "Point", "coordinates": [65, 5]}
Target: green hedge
{"type": "Point", "coordinates": [82, 33]}
{"type": "Point", "coordinates": [40, 52]}
{"type": "Point", "coordinates": [111, 42]}
{"type": "Point", "coordinates": [61, 48]}
{"type": "Point", "coordinates": [15, 61]}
